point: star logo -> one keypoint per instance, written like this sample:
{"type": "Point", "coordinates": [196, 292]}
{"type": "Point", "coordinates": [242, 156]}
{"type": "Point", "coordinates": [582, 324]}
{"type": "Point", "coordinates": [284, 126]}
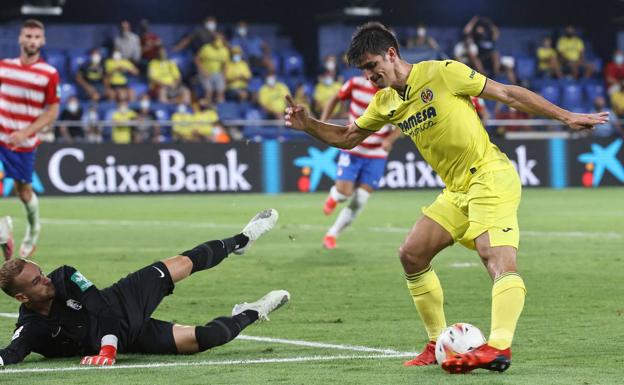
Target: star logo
{"type": "Point", "coordinates": [320, 163]}
{"type": "Point", "coordinates": [604, 159]}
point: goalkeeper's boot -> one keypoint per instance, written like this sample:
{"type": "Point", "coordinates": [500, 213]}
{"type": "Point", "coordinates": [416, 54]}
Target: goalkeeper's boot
{"type": "Point", "coordinates": [483, 357]}
{"type": "Point", "coordinates": [262, 222]}
{"type": "Point", "coordinates": [265, 305]}
{"type": "Point", "coordinates": [426, 357]}
{"type": "Point", "coordinates": [6, 237]}
{"type": "Point", "coordinates": [329, 206]}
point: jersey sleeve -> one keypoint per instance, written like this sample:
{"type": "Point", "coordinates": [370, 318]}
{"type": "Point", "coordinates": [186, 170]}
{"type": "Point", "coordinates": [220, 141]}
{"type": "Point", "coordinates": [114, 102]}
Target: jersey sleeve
{"type": "Point", "coordinates": [53, 90]}
{"type": "Point", "coordinates": [345, 91]}
{"type": "Point", "coordinates": [372, 119]}
{"type": "Point", "coordinates": [461, 79]}
{"type": "Point", "coordinates": [23, 342]}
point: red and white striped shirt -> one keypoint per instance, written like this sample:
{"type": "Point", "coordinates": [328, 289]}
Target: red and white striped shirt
{"type": "Point", "coordinates": [360, 92]}
{"type": "Point", "coordinates": [25, 91]}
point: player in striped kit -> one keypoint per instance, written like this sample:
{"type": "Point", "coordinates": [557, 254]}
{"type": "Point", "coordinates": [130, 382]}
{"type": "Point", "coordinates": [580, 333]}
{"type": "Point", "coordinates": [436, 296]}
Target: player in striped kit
{"type": "Point", "coordinates": [29, 101]}
{"type": "Point", "coordinates": [361, 168]}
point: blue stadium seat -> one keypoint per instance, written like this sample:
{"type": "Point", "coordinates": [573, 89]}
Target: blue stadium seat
{"type": "Point", "coordinates": [572, 96]}
{"type": "Point", "coordinates": [229, 111]}
{"type": "Point", "coordinates": [76, 62]}
{"type": "Point", "coordinates": [67, 91]}
{"type": "Point", "coordinates": [184, 62]}
{"type": "Point", "coordinates": [254, 84]}
{"type": "Point", "coordinates": [593, 90]}
{"type": "Point", "coordinates": [138, 87]}
{"type": "Point", "coordinates": [550, 93]}
{"type": "Point", "coordinates": [58, 61]}
{"type": "Point", "coordinates": [275, 59]}
{"type": "Point", "coordinates": [525, 68]}
{"type": "Point", "coordinates": [350, 72]}
{"type": "Point", "coordinates": [293, 64]}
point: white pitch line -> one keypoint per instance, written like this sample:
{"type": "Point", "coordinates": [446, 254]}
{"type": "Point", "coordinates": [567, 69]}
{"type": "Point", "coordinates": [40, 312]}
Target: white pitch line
{"type": "Point", "coordinates": [322, 345]}
{"type": "Point", "coordinates": [9, 315]}
{"type": "Point", "coordinates": [208, 363]}
{"type": "Point", "coordinates": [378, 229]}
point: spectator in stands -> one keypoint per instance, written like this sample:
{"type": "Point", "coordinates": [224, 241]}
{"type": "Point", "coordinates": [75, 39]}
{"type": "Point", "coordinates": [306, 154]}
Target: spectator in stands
{"type": "Point", "coordinates": [422, 46]}
{"type": "Point", "coordinates": [617, 100]}
{"type": "Point", "coordinates": [271, 96]}
{"type": "Point", "coordinates": [253, 46]}
{"type": "Point", "coordinates": [150, 42]}
{"type": "Point", "coordinates": [301, 97]}
{"type": "Point", "coordinates": [502, 111]}
{"type": "Point", "coordinates": [326, 87]}
{"type": "Point", "coordinates": [330, 65]}
{"type": "Point", "coordinates": [485, 34]}
{"type": "Point", "coordinates": [199, 37]}
{"type": "Point", "coordinates": [207, 126]}
{"type": "Point", "coordinates": [182, 127]}
{"type": "Point", "coordinates": [90, 122]}
{"type": "Point", "coordinates": [467, 52]}
{"type": "Point", "coordinates": [237, 76]}
{"type": "Point", "coordinates": [165, 80]}
{"type": "Point", "coordinates": [210, 62]}
{"type": "Point", "coordinates": [123, 116]}
{"type": "Point", "coordinates": [70, 132]}
{"type": "Point", "coordinates": [147, 127]}
{"type": "Point", "coordinates": [610, 128]}
{"type": "Point", "coordinates": [128, 43]}
{"type": "Point", "coordinates": [614, 72]}
{"type": "Point", "coordinates": [548, 64]}
{"type": "Point", "coordinates": [117, 68]}
{"type": "Point", "coordinates": [572, 51]}
{"type": "Point", "coordinates": [91, 78]}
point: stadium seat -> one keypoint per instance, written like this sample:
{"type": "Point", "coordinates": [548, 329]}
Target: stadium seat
{"type": "Point", "coordinates": [525, 68]}
{"type": "Point", "coordinates": [254, 84]}
{"type": "Point", "coordinates": [184, 62]}
{"type": "Point", "coordinates": [229, 111]}
{"type": "Point", "coordinates": [350, 72]}
{"type": "Point", "coordinates": [67, 91]}
{"type": "Point", "coordinates": [572, 96]}
{"type": "Point", "coordinates": [293, 64]}
{"type": "Point", "coordinates": [58, 61]}
{"type": "Point", "coordinates": [138, 87]}
{"type": "Point", "coordinates": [76, 62]}
{"type": "Point", "coordinates": [550, 93]}
{"type": "Point", "coordinates": [593, 90]}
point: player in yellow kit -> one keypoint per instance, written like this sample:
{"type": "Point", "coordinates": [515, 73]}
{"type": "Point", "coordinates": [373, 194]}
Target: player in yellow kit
{"type": "Point", "coordinates": [430, 103]}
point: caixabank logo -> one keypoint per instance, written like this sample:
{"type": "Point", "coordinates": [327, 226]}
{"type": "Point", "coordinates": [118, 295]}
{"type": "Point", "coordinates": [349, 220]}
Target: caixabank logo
{"type": "Point", "coordinates": [314, 166]}
{"type": "Point", "coordinates": [602, 164]}
{"type": "Point", "coordinates": [8, 184]}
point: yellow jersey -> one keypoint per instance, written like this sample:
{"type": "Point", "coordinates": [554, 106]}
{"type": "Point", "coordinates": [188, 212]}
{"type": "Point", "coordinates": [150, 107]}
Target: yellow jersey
{"type": "Point", "coordinates": [123, 134]}
{"type": "Point", "coordinates": [570, 47]}
{"type": "Point", "coordinates": [544, 56]}
{"type": "Point", "coordinates": [212, 57]}
{"type": "Point", "coordinates": [323, 94]}
{"type": "Point", "coordinates": [163, 71]}
{"type": "Point", "coordinates": [273, 98]}
{"type": "Point", "coordinates": [117, 69]}
{"type": "Point", "coordinates": [435, 111]}
{"type": "Point", "coordinates": [234, 71]}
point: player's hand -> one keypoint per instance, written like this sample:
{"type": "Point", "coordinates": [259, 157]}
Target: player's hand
{"type": "Point", "coordinates": [387, 145]}
{"type": "Point", "coordinates": [296, 115]}
{"type": "Point", "coordinates": [106, 357]}
{"type": "Point", "coordinates": [587, 121]}
{"type": "Point", "coordinates": [17, 137]}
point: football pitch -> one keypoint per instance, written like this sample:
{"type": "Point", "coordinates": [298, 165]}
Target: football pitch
{"type": "Point", "coordinates": [351, 319]}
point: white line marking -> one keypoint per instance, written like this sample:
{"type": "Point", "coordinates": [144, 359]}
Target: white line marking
{"type": "Point", "coordinates": [9, 315]}
{"type": "Point", "coordinates": [463, 264]}
{"type": "Point", "coordinates": [321, 345]}
{"type": "Point", "coordinates": [385, 229]}
{"type": "Point", "coordinates": [209, 363]}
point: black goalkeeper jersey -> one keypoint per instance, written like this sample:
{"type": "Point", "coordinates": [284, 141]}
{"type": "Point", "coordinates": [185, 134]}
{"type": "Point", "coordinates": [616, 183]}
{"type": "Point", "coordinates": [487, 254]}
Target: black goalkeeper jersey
{"type": "Point", "coordinates": [78, 319]}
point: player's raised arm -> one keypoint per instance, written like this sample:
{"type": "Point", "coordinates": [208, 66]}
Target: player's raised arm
{"type": "Point", "coordinates": [335, 135]}
{"type": "Point", "coordinates": [524, 100]}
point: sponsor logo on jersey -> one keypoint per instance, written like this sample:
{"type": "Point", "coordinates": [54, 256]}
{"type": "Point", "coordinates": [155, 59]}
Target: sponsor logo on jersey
{"type": "Point", "coordinates": [81, 281]}
{"type": "Point", "coordinates": [418, 122]}
{"type": "Point", "coordinates": [426, 95]}
{"type": "Point", "coordinates": [17, 333]}
{"type": "Point", "coordinates": [72, 303]}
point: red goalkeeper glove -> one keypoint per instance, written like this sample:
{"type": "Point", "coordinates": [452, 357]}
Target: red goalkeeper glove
{"type": "Point", "coordinates": [106, 356]}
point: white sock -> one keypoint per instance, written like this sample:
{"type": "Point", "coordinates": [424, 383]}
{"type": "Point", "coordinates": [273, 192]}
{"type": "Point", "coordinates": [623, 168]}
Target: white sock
{"type": "Point", "coordinates": [32, 215]}
{"type": "Point", "coordinates": [349, 213]}
{"type": "Point", "coordinates": [335, 195]}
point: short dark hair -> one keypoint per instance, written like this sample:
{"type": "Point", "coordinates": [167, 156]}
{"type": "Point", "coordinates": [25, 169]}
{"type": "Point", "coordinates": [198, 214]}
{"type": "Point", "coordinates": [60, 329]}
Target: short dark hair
{"type": "Point", "coordinates": [372, 37]}
{"type": "Point", "coordinates": [32, 23]}
{"type": "Point", "coordinates": [9, 270]}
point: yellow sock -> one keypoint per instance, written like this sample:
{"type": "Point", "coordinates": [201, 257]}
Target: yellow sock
{"type": "Point", "coordinates": [508, 295]}
{"type": "Point", "coordinates": [429, 300]}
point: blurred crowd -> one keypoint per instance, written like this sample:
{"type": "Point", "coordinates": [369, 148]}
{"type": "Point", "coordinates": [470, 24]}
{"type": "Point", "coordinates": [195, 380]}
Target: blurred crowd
{"type": "Point", "coordinates": [214, 82]}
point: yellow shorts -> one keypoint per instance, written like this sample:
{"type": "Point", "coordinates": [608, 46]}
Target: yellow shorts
{"type": "Point", "coordinates": [490, 204]}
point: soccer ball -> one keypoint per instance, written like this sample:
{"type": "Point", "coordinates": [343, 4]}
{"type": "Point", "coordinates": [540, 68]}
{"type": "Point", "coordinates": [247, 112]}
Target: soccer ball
{"type": "Point", "coordinates": [456, 339]}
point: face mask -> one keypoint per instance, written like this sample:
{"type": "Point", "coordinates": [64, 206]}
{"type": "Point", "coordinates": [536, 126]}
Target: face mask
{"type": "Point", "coordinates": [96, 58]}
{"type": "Point", "coordinates": [182, 108]}
{"type": "Point", "coordinates": [242, 31]}
{"type": "Point", "coordinates": [72, 107]}
{"type": "Point", "coordinates": [211, 26]}
{"type": "Point", "coordinates": [618, 59]}
{"type": "Point", "coordinates": [145, 104]}
{"type": "Point", "coordinates": [117, 55]}
{"type": "Point", "coordinates": [93, 115]}
{"type": "Point", "coordinates": [330, 65]}
{"type": "Point", "coordinates": [271, 81]}
{"type": "Point", "coordinates": [236, 58]}
{"type": "Point", "coordinates": [328, 80]}
{"type": "Point", "coordinates": [421, 32]}
{"type": "Point", "coordinates": [123, 108]}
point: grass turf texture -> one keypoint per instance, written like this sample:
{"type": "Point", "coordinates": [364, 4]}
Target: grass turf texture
{"type": "Point", "coordinates": [571, 258]}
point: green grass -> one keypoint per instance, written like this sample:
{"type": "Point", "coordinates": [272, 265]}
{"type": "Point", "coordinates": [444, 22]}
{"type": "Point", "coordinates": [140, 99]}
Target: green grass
{"type": "Point", "coordinates": [571, 257]}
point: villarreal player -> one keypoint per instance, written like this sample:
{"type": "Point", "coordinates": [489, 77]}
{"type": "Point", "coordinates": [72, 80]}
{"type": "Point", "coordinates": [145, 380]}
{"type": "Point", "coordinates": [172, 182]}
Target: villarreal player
{"type": "Point", "coordinates": [430, 103]}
